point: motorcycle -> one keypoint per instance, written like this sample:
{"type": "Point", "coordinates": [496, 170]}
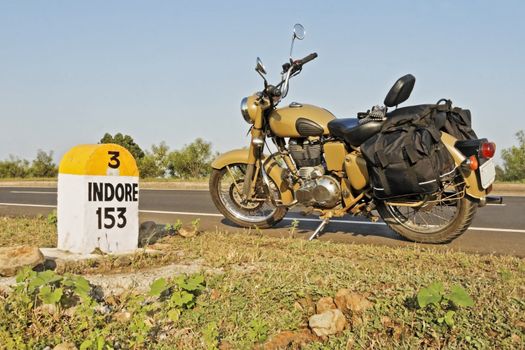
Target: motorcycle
{"type": "Point", "coordinates": [319, 165]}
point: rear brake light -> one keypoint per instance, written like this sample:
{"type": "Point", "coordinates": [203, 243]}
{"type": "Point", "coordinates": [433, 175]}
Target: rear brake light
{"type": "Point", "coordinates": [487, 150]}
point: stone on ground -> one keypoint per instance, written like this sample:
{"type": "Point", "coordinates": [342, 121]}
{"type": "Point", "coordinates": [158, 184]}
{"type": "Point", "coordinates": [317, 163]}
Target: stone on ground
{"type": "Point", "coordinates": [13, 259]}
{"type": "Point", "coordinates": [328, 323]}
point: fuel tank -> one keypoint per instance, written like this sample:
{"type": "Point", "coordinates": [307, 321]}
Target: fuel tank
{"type": "Point", "coordinates": [298, 120]}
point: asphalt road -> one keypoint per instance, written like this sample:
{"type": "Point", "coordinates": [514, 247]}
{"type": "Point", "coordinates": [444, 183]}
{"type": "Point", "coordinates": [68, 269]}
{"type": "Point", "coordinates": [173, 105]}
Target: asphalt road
{"type": "Point", "coordinates": [497, 229]}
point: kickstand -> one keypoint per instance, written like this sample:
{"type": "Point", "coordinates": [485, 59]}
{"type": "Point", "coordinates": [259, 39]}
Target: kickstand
{"type": "Point", "coordinates": [319, 229]}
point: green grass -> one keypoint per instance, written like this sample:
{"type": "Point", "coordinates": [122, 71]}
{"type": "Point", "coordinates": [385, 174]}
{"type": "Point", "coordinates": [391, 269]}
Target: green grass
{"type": "Point", "coordinates": [265, 279]}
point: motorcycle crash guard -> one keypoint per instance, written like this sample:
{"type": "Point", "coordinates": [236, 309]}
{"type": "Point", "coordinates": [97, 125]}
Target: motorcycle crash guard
{"type": "Point", "coordinates": [274, 171]}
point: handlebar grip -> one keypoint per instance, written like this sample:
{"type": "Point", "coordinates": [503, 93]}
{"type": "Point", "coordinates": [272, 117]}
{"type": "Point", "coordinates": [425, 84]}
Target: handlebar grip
{"type": "Point", "coordinates": [309, 58]}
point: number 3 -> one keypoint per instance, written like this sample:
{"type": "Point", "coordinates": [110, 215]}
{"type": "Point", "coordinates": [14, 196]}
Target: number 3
{"type": "Point", "coordinates": [114, 158]}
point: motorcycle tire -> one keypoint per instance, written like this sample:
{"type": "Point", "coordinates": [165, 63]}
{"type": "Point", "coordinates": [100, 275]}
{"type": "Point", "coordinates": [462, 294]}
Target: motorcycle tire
{"type": "Point", "coordinates": [233, 210]}
{"type": "Point", "coordinates": [421, 233]}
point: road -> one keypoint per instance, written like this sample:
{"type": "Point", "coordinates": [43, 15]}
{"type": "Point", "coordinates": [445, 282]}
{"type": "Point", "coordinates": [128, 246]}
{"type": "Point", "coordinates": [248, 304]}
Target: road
{"type": "Point", "coordinates": [497, 229]}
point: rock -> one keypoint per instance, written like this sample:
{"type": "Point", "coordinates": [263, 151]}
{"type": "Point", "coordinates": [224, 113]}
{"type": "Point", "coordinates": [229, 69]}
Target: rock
{"type": "Point", "coordinates": [13, 259]}
{"type": "Point", "coordinates": [65, 346]}
{"type": "Point", "coordinates": [349, 301]}
{"type": "Point", "coordinates": [328, 323]}
{"type": "Point", "coordinates": [215, 294]}
{"type": "Point", "coordinates": [287, 340]}
{"type": "Point", "coordinates": [350, 343]}
{"type": "Point", "coordinates": [122, 316]}
{"type": "Point", "coordinates": [47, 309]}
{"type": "Point", "coordinates": [188, 232]}
{"type": "Point", "coordinates": [307, 304]}
{"type": "Point", "coordinates": [148, 233]}
{"type": "Point", "coordinates": [324, 304]}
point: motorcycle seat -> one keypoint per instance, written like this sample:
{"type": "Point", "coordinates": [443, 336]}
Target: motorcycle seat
{"type": "Point", "coordinates": [353, 133]}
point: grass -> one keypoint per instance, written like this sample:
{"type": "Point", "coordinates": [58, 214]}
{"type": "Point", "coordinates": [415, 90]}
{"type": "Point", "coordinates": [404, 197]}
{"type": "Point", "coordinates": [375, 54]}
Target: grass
{"type": "Point", "coordinates": [39, 231]}
{"type": "Point", "coordinates": [265, 280]}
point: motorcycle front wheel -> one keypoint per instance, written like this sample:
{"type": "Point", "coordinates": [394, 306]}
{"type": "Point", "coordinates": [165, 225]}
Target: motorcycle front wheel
{"type": "Point", "coordinates": [226, 192]}
{"type": "Point", "coordinates": [439, 219]}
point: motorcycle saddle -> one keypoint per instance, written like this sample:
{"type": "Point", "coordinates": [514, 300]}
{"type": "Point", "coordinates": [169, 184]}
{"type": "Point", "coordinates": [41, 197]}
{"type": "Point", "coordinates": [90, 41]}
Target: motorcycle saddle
{"type": "Point", "coordinates": [353, 133]}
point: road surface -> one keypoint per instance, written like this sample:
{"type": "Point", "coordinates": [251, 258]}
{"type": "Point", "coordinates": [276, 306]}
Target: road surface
{"type": "Point", "coordinates": [497, 229]}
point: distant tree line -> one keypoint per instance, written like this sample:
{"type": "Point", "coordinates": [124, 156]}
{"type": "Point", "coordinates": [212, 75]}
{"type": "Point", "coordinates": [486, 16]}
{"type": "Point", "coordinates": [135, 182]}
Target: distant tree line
{"type": "Point", "coordinates": [190, 162]}
{"type": "Point", "coordinates": [41, 166]}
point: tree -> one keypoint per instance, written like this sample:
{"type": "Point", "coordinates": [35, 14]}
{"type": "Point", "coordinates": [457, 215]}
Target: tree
{"type": "Point", "coordinates": [192, 161]}
{"type": "Point", "coordinates": [514, 160]}
{"type": "Point", "coordinates": [14, 167]}
{"type": "Point", "coordinates": [125, 141]}
{"type": "Point", "coordinates": [43, 165]}
{"type": "Point", "coordinates": [155, 163]}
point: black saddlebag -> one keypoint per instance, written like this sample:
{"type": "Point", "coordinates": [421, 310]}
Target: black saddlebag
{"type": "Point", "coordinates": [458, 121]}
{"type": "Point", "coordinates": [407, 157]}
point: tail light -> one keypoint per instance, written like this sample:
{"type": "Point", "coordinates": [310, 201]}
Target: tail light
{"type": "Point", "coordinates": [487, 150]}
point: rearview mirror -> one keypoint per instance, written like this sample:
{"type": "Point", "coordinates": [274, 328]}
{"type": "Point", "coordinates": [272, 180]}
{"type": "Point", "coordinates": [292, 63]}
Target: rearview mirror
{"type": "Point", "coordinates": [259, 67]}
{"type": "Point", "coordinates": [298, 31]}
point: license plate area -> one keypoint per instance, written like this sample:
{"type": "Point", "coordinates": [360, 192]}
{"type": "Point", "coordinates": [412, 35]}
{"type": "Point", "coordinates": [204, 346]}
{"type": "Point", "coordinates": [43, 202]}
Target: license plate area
{"type": "Point", "coordinates": [487, 173]}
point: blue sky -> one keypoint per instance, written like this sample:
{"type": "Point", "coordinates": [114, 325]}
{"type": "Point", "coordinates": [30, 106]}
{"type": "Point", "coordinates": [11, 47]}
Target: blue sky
{"type": "Point", "coordinates": [176, 70]}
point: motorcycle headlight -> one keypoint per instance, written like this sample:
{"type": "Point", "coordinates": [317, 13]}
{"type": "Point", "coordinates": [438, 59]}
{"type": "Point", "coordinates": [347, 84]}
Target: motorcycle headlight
{"type": "Point", "coordinates": [248, 109]}
{"type": "Point", "coordinates": [244, 110]}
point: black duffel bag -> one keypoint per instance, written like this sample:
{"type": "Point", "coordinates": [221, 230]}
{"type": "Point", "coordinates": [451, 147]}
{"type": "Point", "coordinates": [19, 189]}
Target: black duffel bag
{"type": "Point", "coordinates": [407, 157]}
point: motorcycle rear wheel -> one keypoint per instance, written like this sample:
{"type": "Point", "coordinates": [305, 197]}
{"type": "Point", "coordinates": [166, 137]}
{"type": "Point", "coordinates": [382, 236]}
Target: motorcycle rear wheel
{"type": "Point", "coordinates": [225, 186]}
{"type": "Point", "coordinates": [440, 220]}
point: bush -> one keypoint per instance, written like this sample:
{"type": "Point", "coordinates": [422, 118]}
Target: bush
{"type": "Point", "coordinates": [192, 161]}
{"type": "Point", "coordinates": [14, 167]}
{"type": "Point", "coordinates": [513, 161]}
{"type": "Point", "coordinates": [43, 165]}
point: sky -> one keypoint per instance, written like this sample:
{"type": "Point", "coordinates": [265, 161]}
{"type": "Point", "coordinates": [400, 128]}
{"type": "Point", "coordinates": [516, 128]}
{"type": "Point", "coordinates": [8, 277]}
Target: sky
{"type": "Point", "coordinates": [174, 71]}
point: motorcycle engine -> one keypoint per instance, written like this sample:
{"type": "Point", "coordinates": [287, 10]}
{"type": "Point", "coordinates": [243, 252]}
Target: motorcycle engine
{"type": "Point", "coordinates": [317, 189]}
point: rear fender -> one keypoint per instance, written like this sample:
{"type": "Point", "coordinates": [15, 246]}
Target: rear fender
{"type": "Point", "coordinates": [473, 189]}
{"type": "Point", "coordinates": [274, 171]}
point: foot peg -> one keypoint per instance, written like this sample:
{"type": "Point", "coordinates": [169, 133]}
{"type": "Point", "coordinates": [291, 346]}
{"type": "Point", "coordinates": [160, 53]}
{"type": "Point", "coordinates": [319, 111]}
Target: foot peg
{"type": "Point", "coordinates": [319, 229]}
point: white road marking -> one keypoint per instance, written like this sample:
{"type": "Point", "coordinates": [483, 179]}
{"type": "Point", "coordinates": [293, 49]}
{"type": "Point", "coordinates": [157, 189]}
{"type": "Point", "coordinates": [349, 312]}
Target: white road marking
{"type": "Point", "coordinates": [288, 219]}
{"type": "Point", "coordinates": [34, 192]}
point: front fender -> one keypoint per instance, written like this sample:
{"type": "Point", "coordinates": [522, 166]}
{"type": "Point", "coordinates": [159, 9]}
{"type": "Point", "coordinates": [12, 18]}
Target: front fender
{"type": "Point", "coordinates": [471, 180]}
{"type": "Point", "coordinates": [274, 171]}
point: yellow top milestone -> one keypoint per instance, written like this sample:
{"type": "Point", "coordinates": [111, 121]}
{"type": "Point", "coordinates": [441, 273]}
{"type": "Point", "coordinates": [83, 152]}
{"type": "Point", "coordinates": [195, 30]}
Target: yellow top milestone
{"type": "Point", "coordinates": [99, 160]}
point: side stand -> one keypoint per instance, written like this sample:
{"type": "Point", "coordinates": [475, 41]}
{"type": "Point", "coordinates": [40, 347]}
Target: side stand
{"type": "Point", "coordinates": [319, 229]}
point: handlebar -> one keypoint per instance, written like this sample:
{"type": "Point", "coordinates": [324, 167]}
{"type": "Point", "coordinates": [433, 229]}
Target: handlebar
{"type": "Point", "coordinates": [289, 70]}
{"type": "Point", "coordinates": [307, 59]}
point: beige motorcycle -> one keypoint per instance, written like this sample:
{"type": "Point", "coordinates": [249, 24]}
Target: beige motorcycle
{"type": "Point", "coordinates": [318, 164]}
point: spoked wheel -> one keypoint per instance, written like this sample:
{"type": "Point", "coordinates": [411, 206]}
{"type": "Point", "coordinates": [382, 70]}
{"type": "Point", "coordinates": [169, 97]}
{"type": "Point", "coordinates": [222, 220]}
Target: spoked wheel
{"type": "Point", "coordinates": [226, 192]}
{"type": "Point", "coordinates": [438, 218]}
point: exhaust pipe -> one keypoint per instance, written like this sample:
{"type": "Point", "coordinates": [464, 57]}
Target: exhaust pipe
{"type": "Point", "coordinates": [490, 200]}
{"type": "Point", "coordinates": [494, 200]}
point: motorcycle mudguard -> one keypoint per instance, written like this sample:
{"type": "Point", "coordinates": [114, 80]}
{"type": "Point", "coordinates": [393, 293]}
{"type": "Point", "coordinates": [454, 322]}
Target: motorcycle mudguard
{"type": "Point", "coordinates": [472, 183]}
{"type": "Point", "coordinates": [274, 171]}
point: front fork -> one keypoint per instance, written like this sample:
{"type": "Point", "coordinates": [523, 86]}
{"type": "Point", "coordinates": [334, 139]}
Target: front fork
{"type": "Point", "coordinates": [254, 155]}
